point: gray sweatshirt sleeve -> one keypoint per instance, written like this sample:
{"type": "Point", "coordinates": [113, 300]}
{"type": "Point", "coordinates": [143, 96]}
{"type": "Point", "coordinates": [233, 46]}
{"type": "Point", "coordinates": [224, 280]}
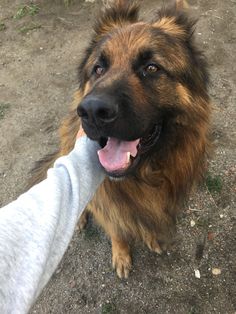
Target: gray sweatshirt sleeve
{"type": "Point", "coordinates": [35, 230]}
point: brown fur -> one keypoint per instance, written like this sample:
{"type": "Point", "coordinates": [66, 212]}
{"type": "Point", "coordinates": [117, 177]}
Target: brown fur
{"type": "Point", "coordinates": [144, 207]}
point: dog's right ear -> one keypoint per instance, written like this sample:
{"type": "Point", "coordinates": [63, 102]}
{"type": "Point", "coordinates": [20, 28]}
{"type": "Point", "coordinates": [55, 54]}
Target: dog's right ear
{"type": "Point", "coordinates": [116, 14]}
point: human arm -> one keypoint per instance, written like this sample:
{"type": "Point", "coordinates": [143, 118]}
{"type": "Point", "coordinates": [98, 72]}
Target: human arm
{"type": "Point", "coordinates": [36, 229]}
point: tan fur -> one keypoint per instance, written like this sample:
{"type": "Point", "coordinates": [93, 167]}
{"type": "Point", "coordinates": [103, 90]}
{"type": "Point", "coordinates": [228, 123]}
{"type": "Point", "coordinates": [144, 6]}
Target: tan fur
{"type": "Point", "coordinates": [168, 25]}
{"type": "Point", "coordinates": [144, 207]}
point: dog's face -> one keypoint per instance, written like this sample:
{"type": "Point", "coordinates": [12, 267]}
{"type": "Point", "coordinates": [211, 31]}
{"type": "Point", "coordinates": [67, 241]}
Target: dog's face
{"type": "Point", "coordinates": [137, 77]}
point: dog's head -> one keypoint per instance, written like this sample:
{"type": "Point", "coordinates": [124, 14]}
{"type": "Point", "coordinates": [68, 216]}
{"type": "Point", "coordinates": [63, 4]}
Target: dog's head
{"type": "Point", "coordinates": [136, 77]}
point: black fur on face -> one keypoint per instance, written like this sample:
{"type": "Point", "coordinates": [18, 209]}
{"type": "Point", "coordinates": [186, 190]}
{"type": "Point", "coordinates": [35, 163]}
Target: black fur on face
{"type": "Point", "coordinates": [147, 71]}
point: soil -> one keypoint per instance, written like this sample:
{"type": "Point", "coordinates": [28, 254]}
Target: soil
{"type": "Point", "coordinates": [39, 56]}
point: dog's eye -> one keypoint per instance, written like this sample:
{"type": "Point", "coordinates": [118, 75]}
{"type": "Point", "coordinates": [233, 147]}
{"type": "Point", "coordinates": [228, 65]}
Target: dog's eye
{"type": "Point", "coordinates": [151, 68]}
{"type": "Point", "coordinates": [99, 70]}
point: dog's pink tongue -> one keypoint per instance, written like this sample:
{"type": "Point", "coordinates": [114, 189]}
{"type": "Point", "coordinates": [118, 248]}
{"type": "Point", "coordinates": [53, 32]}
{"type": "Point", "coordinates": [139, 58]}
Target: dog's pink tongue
{"type": "Point", "coordinates": [115, 155]}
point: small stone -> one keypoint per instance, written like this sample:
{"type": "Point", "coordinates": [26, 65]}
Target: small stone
{"type": "Point", "coordinates": [72, 284]}
{"type": "Point", "coordinates": [216, 271]}
{"type": "Point", "coordinates": [197, 273]}
{"type": "Point", "coordinates": [192, 223]}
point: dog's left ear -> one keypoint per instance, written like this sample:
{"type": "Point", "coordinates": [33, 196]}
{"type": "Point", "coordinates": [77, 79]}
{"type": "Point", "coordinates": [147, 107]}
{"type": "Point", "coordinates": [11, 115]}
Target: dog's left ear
{"type": "Point", "coordinates": [174, 20]}
{"type": "Point", "coordinates": [116, 14]}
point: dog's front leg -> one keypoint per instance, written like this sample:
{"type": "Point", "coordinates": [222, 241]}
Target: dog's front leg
{"type": "Point", "coordinates": [121, 259]}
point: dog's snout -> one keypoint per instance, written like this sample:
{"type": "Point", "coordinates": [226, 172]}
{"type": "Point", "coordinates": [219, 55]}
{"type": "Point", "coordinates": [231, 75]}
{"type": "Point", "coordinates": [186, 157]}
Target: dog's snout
{"type": "Point", "coordinates": [98, 110]}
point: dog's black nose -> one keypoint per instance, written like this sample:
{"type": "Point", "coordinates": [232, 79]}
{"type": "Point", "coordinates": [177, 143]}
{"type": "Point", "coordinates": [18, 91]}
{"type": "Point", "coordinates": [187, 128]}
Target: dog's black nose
{"type": "Point", "coordinates": [98, 109]}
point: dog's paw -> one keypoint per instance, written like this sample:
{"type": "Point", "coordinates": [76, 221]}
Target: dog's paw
{"type": "Point", "coordinates": [154, 246]}
{"type": "Point", "coordinates": [122, 263]}
{"type": "Point", "coordinates": [121, 259]}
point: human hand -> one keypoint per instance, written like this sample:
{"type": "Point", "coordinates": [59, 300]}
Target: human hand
{"type": "Point", "coordinates": [80, 133]}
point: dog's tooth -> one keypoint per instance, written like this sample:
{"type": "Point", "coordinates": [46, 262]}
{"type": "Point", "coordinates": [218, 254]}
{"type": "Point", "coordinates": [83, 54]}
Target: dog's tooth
{"type": "Point", "coordinates": [128, 157]}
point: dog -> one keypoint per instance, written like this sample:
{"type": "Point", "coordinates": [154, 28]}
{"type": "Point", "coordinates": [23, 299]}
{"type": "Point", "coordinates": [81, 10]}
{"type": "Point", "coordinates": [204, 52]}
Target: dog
{"type": "Point", "coordinates": [143, 96]}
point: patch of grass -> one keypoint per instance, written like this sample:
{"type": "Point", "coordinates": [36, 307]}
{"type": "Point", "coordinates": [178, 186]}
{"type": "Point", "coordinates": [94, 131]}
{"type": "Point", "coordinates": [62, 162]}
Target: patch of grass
{"type": "Point", "coordinates": [3, 109]}
{"type": "Point", "coordinates": [26, 28]}
{"type": "Point", "coordinates": [203, 222]}
{"type": "Point", "coordinates": [67, 2]}
{"type": "Point", "coordinates": [31, 9]}
{"type": "Point", "coordinates": [108, 308]}
{"type": "Point", "coordinates": [214, 183]}
{"type": "Point", "coordinates": [193, 310]}
{"type": "Point", "coordinates": [21, 12]}
{"type": "Point", "coordinates": [2, 26]}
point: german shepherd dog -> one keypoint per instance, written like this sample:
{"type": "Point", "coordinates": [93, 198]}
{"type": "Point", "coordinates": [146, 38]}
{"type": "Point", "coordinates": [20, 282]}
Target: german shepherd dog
{"type": "Point", "coordinates": [143, 97]}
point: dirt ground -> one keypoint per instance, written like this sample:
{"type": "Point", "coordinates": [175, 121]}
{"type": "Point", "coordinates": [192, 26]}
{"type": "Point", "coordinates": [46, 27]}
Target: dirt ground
{"type": "Point", "coordinates": [39, 55]}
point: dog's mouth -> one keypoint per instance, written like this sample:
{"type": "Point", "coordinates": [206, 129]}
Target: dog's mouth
{"type": "Point", "coordinates": [119, 157]}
